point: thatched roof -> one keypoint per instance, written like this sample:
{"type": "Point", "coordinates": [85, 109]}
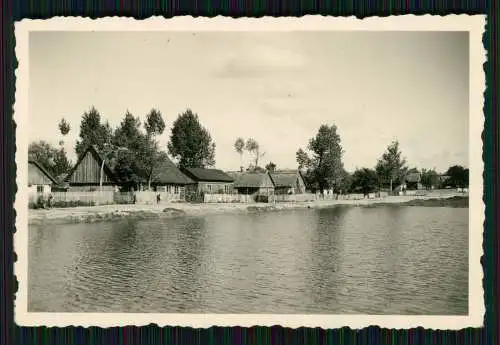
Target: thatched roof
{"type": "Point", "coordinates": [207, 175]}
{"type": "Point", "coordinates": [249, 179]}
{"type": "Point", "coordinates": [43, 170]}
{"type": "Point", "coordinates": [413, 177]}
{"type": "Point", "coordinates": [166, 172]}
{"type": "Point", "coordinates": [286, 178]}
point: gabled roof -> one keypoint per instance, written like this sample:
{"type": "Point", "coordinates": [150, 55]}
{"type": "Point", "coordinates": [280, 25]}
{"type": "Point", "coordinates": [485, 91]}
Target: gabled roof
{"type": "Point", "coordinates": [95, 153]}
{"type": "Point", "coordinates": [249, 179]}
{"type": "Point", "coordinates": [413, 177]}
{"type": "Point", "coordinates": [43, 170]}
{"type": "Point", "coordinates": [207, 175]}
{"type": "Point", "coordinates": [285, 178]}
{"type": "Point", "coordinates": [166, 172]}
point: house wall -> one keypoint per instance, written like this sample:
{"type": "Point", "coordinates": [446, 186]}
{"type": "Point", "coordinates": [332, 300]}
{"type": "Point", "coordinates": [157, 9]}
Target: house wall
{"type": "Point", "coordinates": [301, 185]}
{"type": "Point", "coordinates": [35, 191]}
{"type": "Point", "coordinates": [89, 171]}
{"type": "Point", "coordinates": [297, 187]}
{"type": "Point", "coordinates": [215, 187]}
{"type": "Point", "coordinates": [267, 185]}
{"type": "Point", "coordinates": [36, 176]}
{"type": "Point", "coordinates": [171, 189]}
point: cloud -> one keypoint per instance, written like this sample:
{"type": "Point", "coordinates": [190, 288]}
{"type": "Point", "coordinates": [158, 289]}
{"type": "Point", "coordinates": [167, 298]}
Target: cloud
{"type": "Point", "coordinates": [261, 60]}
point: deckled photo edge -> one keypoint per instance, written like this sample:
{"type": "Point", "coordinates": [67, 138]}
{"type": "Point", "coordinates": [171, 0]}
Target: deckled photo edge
{"type": "Point", "coordinates": [474, 24]}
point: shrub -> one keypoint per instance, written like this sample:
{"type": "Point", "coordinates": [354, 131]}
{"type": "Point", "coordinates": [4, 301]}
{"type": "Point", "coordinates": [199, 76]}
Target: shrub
{"type": "Point", "coordinates": [72, 203]}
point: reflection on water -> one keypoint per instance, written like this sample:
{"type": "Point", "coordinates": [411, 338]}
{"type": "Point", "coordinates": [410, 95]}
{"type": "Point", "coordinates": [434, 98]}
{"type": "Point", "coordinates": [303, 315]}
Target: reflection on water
{"type": "Point", "coordinates": [383, 260]}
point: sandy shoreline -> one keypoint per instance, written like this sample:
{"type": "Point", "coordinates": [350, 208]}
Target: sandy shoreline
{"type": "Point", "coordinates": [111, 212]}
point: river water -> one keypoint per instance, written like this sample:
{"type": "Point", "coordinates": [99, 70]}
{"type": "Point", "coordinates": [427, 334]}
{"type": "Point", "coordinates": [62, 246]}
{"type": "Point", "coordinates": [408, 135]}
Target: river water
{"type": "Point", "coordinates": [378, 260]}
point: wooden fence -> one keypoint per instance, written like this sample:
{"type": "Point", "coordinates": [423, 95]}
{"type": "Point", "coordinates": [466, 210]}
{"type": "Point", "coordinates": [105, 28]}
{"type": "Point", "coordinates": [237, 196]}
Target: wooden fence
{"type": "Point", "coordinates": [228, 198]}
{"type": "Point", "coordinates": [108, 197]}
{"type": "Point", "coordinates": [149, 198]}
{"type": "Point", "coordinates": [98, 198]}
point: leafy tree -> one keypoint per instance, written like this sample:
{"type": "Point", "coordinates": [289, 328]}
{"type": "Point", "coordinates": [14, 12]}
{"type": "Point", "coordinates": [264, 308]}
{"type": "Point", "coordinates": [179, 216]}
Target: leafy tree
{"type": "Point", "coordinates": [303, 159]}
{"type": "Point", "coordinates": [364, 181]}
{"type": "Point", "coordinates": [252, 168]}
{"type": "Point", "coordinates": [458, 176]}
{"type": "Point", "coordinates": [324, 168]}
{"type": "Point", "coordinates": [253, 146]}
{"type": "Point", "coordinates": [271, 167]}
{"type": "Point", "coordinates": [326, 162]}
{"type": "Point", "coordinates": [190, 143]}
{"type": "Point", "coordinates": [93, 132]}
{"type": "Point", "coordinates": [345, 184]}
{"type": "Point", "coordinates": [430, 178]}
{"type": "Point", "coordinates": [133, 165]}
{"type": "Point", "coordinates": [154, 126]}
{"type": "Point", "coordinates": [239, 146]}
{"type": "Point", "coordinates": [52, 159]}
{"type": "Point", "coordinates": [391, 167]}
{"type": "Point", "coordinates": [64, 129]}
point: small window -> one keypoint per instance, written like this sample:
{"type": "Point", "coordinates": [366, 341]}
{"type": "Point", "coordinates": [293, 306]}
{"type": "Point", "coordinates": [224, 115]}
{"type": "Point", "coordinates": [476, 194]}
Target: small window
{"type": "Point", "coordinates": [176, 189]}
{"type": "Point", "coordinates": [209, 187]}
{"type": "Point", "coordinates": [39, 189]}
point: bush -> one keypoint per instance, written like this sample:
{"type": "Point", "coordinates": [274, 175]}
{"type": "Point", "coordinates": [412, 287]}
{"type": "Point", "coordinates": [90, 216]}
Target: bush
{"type": "Point", "coordinates": [195, 197]}
{"type": "Point", "coordinates": [73, 203]}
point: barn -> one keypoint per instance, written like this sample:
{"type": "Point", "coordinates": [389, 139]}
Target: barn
{"type": "Point", "coordinates": [40, 181]}
{"type": "Point", "coordinates": [86, 174]}
{"type": "Point", "coordinates": [210, 181]}
{"type": "Point", "coordinates": [254, 183]}
{"type": "Point", "coordinates": [288, 182]}
{"type": "Point", "coordinates": [168, 178]}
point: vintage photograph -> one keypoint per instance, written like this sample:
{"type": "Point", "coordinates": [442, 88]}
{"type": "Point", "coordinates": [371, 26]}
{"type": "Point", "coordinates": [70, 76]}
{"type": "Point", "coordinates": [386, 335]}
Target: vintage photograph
{"type": "Point", "coordinates": [264, 172]}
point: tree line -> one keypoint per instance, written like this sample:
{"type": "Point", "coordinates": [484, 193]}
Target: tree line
{"type": "Point", "coordinates": [131, 149]}
{"type": "Point", "coordinates": [323, 168]}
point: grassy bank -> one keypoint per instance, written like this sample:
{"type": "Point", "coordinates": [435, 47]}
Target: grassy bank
{"type": "Point", "coordinates": [114, 212]}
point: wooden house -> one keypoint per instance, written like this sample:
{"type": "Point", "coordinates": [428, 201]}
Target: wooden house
{"type": "Point", "coordinates": [253, 183]}
{"type": "Point", "coordinates": [210, 181]}
{"type": "Point", "coordinates": [288, 182]}
{"type": "Point", "coordinates": [40, 181]}
{"type": "Point", "coordinates": [168, 178]}
{"type": "Point", "coordinates": [413, 181]}
{"type": "Point", "coordinates": [86, 174]}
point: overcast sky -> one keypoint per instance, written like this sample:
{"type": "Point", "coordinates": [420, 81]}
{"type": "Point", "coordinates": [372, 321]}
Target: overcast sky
{"type": "Point", "coordinates": [275, 87]}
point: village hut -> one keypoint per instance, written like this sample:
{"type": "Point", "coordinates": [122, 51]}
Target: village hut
{"type": "Point", "coordinates": [210, 181]}
{"type": "Point", "coordinates": [413, 181]}
{"type": "Point", "coordinates": [255, 184]}
{"type": "Point", "coordinates": [86, 174]}
{"type": "Point", "coordinates": [288, 182]}
{"type": "Point", "coordinates": [168, 178]}
{"type": "Point", "coordinates": [40, 181]}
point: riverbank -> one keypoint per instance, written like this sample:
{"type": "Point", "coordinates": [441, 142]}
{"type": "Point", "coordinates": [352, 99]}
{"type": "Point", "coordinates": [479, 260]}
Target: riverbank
{"type": "Point", "coordinates": [113, 212]}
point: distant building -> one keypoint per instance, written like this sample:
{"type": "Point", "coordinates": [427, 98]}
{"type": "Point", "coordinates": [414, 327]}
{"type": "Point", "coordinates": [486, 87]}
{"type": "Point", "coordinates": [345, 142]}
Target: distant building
{"type": "Point", "coordinates": [40, 181]}
{"type": "Point", "coordinates": [210, 181]}
{"type": "Point", "coordinates": [413, 181]}
{"type": "Point", "coordinates": [249, 183]}
{"type": "Point", "coordinates": [288, 182]}
{"type": "Point", "coordinates": [86, 174]}
{"type": "Point", "coordinates": [167, 177]}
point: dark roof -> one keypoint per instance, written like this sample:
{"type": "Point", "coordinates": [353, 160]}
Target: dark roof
{"type": "Point", "coordinates": [285, 178]}
{"type": "Point", "coordinates": [207, 175]}
{"type": "Point", "coordinates": [95, 152]}
{"type": "Point", "coordinates": [413, 177]}
{"type": "Point", "coordinates": [166, 172]}
{"type": "Point", "coordinates": [43, 170]}
{"type": "Point", "coordinates": [249, 179]}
